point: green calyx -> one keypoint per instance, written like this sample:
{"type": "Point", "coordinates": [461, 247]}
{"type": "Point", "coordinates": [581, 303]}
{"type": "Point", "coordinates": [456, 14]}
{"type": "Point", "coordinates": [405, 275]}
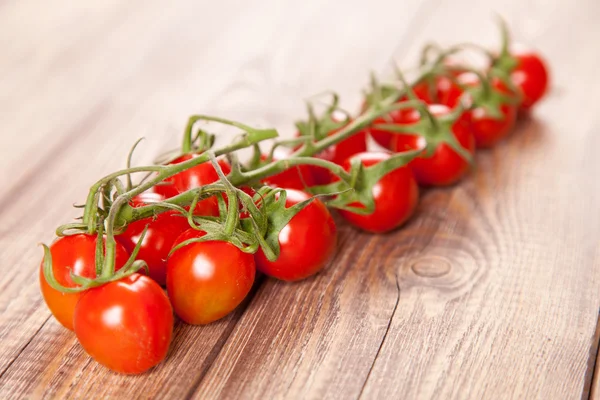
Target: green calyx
{"type": "Point", "coordinates": [436, 130]}
{"type": "Point", "coordinates": [489, 97]}
{"type": "Point", "coordinates": [356, 194]}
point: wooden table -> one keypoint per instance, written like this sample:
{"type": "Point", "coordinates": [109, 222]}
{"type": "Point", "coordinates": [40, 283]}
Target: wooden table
{"type": "Point", "coordinates": [491, 291]}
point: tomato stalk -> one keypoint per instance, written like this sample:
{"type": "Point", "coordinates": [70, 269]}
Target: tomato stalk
{"type": "Point", "coordinates": [251, 137]}
{"type": "Point", "coordinates": [504, 62]}
{"type": "Point", "coordinates": [238, 177]}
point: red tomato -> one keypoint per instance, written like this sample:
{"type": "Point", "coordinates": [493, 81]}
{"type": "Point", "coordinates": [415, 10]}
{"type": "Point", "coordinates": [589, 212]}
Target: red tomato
{"type": "Point", "coordinates": [396, 196]}
{"type": "Point", "coordinates": [530, 76]}
{"type": "Point", "coordinates": [445, 166]}
{"type": "Point", "coordinates": [486, 129]}
{"type": "Point", "coordinates": [383, 137]}
{"type": "Point", "coordinates": [195, 177]}
{"type": "Point", "coordinates": [357, 143]}
{"type": "Point", "coordinates": [307, 242]}
{"type": "Point", "coordinates": [444, 91]}
{"type": "Point", "coordinates": [125, 325]}
{"type": "Point", "coordinates": [75, 253]}
{"type": "Point", "coordinates": [298, 177]}
{"type": "Point", "coordinates": [439, 90]}
{"type": "Point", "coordinates": [208, 280]}
{"type": "Point", "coordinates": [162, 231]}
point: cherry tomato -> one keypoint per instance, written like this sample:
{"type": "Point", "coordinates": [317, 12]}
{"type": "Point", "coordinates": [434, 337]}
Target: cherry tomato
{"type": "Point", "coordinates": [162, 231]}
{"type": "Point", "coordinates": [396, 196]}
{"type": "Point", "coordinates": [337, 153]}
{"type": "Point", "coordinates": [439, 90]}
{"type": "Point", "coordinates": [486, 129]}
{"type": "Point", "coordinates": [202, 174]}
{"type": "Point", "coordinates": [298, 177]}
{"type": "Point", "coordinates": [125, 325]}
{"type": "Point", "coordinates": [77, 254]}
{"type": "Point", "coordinates": [383, 137]}
{"type": "Point", "coordinates": [307, 242]}
{"type": "Point", "coordinates": [208, 280]}
{"type": "Point", "coordinates": [530, 76]}
{"type": "Point", "coordinates": [445, 166]}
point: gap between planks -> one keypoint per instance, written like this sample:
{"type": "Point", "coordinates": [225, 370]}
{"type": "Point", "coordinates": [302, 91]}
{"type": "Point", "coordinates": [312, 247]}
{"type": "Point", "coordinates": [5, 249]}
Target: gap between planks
{"type": "Point", "coordinates": [591, 389]}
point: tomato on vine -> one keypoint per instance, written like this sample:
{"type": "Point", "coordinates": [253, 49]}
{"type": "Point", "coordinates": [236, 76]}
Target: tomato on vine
{"type": "Point", "coordinates": [438, 89]}
{"type": "Point", "coordinates": [74, 254]}
{"type": "Point", "coordinates": [494, 111]}
{"type": "Point", "coordinates": [306, 243]}
{"type": "Point", "coordinates": [161, 233]}
{"type": "Point", "coordinates": [432, 89]}
{"type": "Point", "coordinates": [207, 280]}
{"type": "Point", "coordinates": [444, 166]}
{"type": "Point", "coordinates": [195, 177]}
{"type": "Point", "coordinates": [381, 136]}
{"type": "Point", "coordinates": [531, 76]}
{"type": "Point", "coordinates": [125, 325]}
{"type": "Point", "coordinates": [396, 196]}
{"type": "Point", "coordinates": [526, 69]}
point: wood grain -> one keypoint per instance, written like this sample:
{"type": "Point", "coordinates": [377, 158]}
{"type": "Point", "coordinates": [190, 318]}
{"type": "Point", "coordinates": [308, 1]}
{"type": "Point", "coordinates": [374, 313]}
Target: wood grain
{"type": "Point", "coordinates": [491, 291]}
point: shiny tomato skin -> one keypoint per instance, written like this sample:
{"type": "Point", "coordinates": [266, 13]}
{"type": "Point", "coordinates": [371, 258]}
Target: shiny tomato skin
{"type": "Point", "coordinates": [488, 131]}
{"type": "Point", "coordinates": [383, 137]}
{"type": "Point", "coordinates": [440, 90]}
{"type": "Point", "coordinates": [445, 166]}
{"type": "Point", "coordinates": [298, 177]}
{"type": "Point", "coordinates": [208, 280]}
{"type": "Point", "coordinates": [530, 76]}
{"type": "Point", "coordinates": [307, 242]}
{"type": "Point", "coordinates": [162, 231]}
{"type": "Point", "coordinates": [357, 143]}
{"type": "Point", "coordinates": [75, 253]}
{"type": "Point", "coordinates": [126, 325]}
{"type": "Point", "coordinates": [202, 174]}
{"type": "Point", "coordinates": [396, 197]}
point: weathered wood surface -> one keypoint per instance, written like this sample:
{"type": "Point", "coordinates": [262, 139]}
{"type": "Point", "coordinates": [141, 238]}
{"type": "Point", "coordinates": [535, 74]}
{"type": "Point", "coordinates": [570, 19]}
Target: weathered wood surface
{"type": "Point", "coordinates": [492, 291]}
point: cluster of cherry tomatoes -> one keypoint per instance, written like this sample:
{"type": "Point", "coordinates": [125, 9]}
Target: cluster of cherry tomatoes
{"type": "Point", "coordinates": [126, 322]}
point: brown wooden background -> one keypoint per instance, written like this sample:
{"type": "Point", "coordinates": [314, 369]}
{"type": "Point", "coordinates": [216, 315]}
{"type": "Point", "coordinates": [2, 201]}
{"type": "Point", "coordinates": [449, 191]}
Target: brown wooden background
{"type": "Point", "coordinates": [492, 291]}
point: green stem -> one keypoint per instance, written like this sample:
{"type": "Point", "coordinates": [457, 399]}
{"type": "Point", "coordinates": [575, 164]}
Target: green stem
{"type": "Point", "coordinates": [166, 171]}
{"type": "Point", "coordinates": [108, 267]}
{"type": "Point", "coordinates": [233, 215]}
{"type": "Point", "coordinates": [128, 214]}
{"type": "Point", "coordinates": [353, 127]}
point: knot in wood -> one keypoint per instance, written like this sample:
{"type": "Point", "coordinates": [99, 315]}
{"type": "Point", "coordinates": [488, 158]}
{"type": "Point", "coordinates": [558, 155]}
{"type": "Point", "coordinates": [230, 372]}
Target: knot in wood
{"type": "Point", "coordinates": [431, 267]}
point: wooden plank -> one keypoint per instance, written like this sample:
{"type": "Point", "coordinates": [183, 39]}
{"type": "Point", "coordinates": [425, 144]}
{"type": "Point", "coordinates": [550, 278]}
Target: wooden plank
{"type": "Point", "coordinates": [264, 84]}
{"type": "Point", "coordinates": [491, 292]}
